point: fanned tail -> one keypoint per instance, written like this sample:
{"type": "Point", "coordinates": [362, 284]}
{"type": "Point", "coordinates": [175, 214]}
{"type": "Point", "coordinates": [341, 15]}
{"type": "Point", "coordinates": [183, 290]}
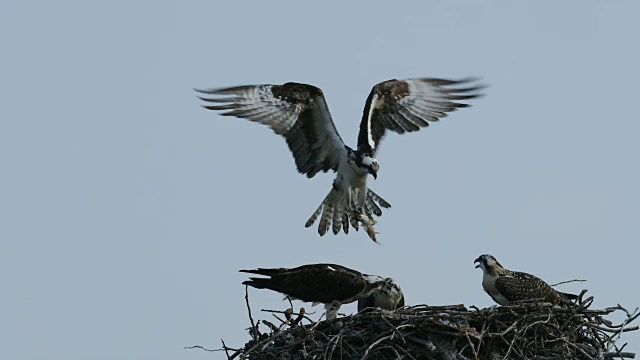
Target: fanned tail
{"type": "Point", "coordinates": [332, 210]}
{"type": "Point", "coordinates": [335, 214]}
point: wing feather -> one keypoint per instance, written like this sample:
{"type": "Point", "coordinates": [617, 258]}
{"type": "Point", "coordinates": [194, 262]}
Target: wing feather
{"type": "Point", "coordinates": [522, 286]}
{"type": "Point", "coordinates": [321, 283]}
{"type": "Point", "coordinates": [408, 105]}
{"type": "Point", "coordinates": [298, 112]}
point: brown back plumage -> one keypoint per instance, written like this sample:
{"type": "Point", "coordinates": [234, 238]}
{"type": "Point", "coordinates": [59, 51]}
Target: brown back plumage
{"type": "Point", "coordinates": [318, 283]}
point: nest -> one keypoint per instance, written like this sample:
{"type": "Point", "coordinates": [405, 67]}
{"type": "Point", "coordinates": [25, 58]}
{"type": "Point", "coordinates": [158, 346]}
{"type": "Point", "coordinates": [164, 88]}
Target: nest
{"type": "Point", "coordinates": [526, 330]}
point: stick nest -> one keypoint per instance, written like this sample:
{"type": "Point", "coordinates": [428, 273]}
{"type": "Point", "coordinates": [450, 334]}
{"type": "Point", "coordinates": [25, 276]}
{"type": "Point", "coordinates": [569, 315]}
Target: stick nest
{"type": "Point", "coordinates": [527, 330]}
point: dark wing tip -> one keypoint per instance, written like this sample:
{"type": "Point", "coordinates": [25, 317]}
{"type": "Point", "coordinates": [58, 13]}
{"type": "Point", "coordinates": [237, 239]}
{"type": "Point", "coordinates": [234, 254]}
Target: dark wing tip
{"type": "Point", "coordinates": [207, 91]}
{"type": "Point", "coordinates": [253, 271]}
{"type": "Point", "coordinates": [217, 108]}
{"type": "Point", "coordinates": [468, 79]}
{"type": "Point", "coordinates": [232, 90]}
{"type": "Point", "coordinates": [465, 80]}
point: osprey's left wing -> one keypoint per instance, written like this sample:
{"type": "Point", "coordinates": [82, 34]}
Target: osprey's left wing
{"type": "Point", "coordinates": [318, 283]}
{"type": "Point", "coordinates": [296, 111]}
{"type": "Point", "coordinates": [408, 105]}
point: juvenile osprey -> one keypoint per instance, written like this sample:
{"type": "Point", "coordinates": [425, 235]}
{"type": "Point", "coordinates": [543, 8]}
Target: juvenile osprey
{"type": "Point", "coordinates": [505, 286]}
{"type": "Point", "coordinates": [388, 297]}
{"type": "Point", "coordinates": [300, 114]}
{"type": "Point", "coordinates": [327, 284]}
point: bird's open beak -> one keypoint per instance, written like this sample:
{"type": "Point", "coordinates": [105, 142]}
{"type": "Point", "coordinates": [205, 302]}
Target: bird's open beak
{"type": "Point", "coordinates": [477, 261]}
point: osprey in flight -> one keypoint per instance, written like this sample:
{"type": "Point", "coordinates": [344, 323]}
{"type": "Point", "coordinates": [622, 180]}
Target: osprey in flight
{"type": "Point", "coordinates": [331, 285]}
{"type": "Point", "coordinates": [505, 286]}
{"type": "Point", "coordinates": [299, 113]}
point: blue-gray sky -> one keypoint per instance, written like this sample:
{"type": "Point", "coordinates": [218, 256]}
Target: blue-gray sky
{"type": "Point", "coordinates": [127, 209]}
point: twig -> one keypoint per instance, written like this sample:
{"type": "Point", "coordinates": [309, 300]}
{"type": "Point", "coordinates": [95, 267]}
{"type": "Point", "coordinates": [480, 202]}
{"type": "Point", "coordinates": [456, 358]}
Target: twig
{"type": "Point", "coordinates": [578, 348]}
{"type": "Point", "coordinates": [201, 348]}
{"type": "Point", "coordinates": [568, 281]}
{"type": "Point", "coordinates": [376, 343]}
{"type": "Point", "coordinates": [224, 346]}
{"type": "Point", "coordinates": [284, 312]}
{"type": "Point", "coordinates": [404, 351]}
{"type": "Point", "coordinates": [301, 316]}
{"type": "Point", "coordinates": [521, 331]}
{"type": "Point", "coordinates": [254, 330]}
{"type": "Point", "coordinates": [628, 355]}
{"type": "Point", "coordinates": [271, 326]}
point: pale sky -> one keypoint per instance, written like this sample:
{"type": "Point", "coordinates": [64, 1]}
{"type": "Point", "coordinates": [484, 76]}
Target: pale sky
{"type": "Point", "coordinates": [127, 209]}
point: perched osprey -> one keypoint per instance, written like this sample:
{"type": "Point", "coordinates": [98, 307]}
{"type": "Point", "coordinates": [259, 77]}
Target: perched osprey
{"type": "Point", "coordinates": [505, 286]}
{"type": "Point", "coordinates": [329, 283]}
{"type": "Point", "coordinates": [300, 114]}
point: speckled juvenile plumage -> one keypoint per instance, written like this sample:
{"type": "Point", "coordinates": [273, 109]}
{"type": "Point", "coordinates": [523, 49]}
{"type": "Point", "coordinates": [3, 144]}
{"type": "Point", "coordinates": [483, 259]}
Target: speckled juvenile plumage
{"type": "Point", "coordinates": [505, 286]}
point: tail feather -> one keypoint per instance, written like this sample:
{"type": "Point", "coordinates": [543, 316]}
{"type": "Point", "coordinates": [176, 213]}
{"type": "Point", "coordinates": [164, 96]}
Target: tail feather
{"type": "Point", "coordinates": [325, 219]}
{"type": "Point", "coordinates": [372, 207]}
{"type": "Point", "coordinates": [263, 283]}
{"type": "Point", "coordinates": [335, 214]}
{"type": "Point", "coordinates": [260, 283]}
{"type": "Point", "coordinates": [345, 221]}
{"type": "Point", "coordinates": [329, 212]}
{"type": "Point", "coordinates": [262, 271]}
{"type": "Point", "coordinates": [314, 216]}
{"type": "Point", "coordinates": [375, 197]}
{"type": "Point", "coordinates": [337, 219]}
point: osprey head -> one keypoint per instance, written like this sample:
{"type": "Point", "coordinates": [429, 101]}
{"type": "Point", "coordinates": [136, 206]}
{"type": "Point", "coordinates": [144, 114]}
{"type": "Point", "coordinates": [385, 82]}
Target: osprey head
{"type": "Point", "coordinates": [389, 285]}
{"type": "Point", "coordinates": [486, 262]}
{"type": "Point", "coordinates": [367, 161]}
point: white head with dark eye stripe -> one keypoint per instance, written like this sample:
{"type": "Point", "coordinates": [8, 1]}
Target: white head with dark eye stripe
{"type": "Point", "coordinates": [488, 264]}
{"type": "Point", "coordinates": [390, 286]}
{"type": "Point", "coordinates": [366, 161]}
{"type": "Point", "coordinates": [390, 296]}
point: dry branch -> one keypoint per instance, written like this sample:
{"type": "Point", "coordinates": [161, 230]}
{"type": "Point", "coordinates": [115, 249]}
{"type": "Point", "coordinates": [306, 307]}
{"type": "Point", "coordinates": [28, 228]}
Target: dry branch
{"type": "Point", "coordinates": [527, 330]}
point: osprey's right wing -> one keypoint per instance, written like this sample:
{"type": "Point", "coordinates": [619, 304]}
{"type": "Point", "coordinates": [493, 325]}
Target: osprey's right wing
{"type": "Point", "coordinates": [296, 111]}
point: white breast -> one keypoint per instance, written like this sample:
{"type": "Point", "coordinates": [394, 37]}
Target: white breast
{"type": "Point", "coordinates": [353, 175]}
{"type": "Point", "coordinates": [489, 285]}
{"type": "Point", "coordinates": [387, 301]}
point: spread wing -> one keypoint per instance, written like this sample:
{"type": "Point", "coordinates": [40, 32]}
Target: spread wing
{"type": "Point", "coordinates": [296, 111]}
{"type": "Point", "coordinates": [408, 105]}
{"type": "Point", "coordinates": [522, 286]}
{"type": "Point", "coordinates": [319, 283]}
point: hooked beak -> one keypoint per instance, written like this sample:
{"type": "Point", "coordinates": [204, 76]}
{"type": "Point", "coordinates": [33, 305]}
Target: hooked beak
{"type": "Point", "coordinates": [477, 261]}
{"type": "Point", "coordinates": [386, 288]}
{"type": "Point", "coordinates": [373, 170]}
